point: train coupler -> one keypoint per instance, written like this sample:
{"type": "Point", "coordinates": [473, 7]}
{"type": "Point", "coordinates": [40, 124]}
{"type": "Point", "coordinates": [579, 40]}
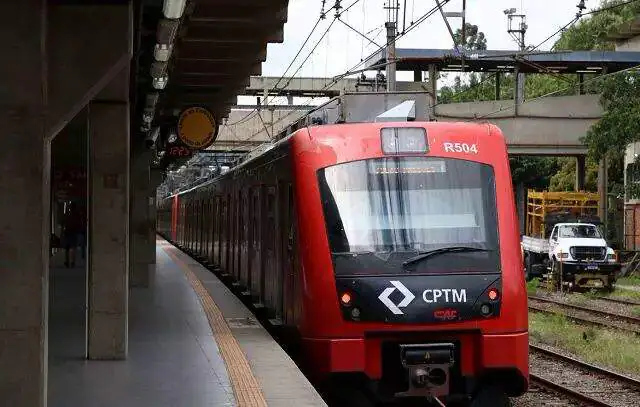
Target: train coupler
{"type": "Point", "coordinates": [428, 367]}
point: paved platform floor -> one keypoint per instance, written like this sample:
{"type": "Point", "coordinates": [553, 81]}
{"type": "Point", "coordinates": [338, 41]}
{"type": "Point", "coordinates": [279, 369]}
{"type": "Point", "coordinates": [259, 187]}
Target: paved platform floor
{"type": "Point", "coordinates": [174, 358]}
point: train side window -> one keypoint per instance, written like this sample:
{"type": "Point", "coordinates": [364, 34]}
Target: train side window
{"type": "Point", "coordinates": [554, 234]}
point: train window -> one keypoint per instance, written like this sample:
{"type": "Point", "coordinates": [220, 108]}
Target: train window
{"type": "Point", "coordinates": [385, 210]}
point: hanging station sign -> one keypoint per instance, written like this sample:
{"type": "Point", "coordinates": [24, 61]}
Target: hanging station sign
{"type": "Point", "coordinates": [197, 128]}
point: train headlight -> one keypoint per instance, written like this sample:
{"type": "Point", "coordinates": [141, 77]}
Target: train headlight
{"type": "Point", "coordinates": [493, 294]}
{"type": "Point", "coordinates": [355, 313]}
{"type": "Point", "coordinates": [398, 140]}
{"type": "Point", "coordinates": [563, 255]}
{"type": "Point", "coordinates": [345, 298]}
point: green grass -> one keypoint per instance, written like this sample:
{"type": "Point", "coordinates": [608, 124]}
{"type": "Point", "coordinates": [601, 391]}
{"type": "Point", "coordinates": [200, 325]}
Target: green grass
{"type": "Point", "coordinates": [624, 294]}
{"type": "Point", "coordinates": [617, 350]}
{"type": "Point", "coordinates": [631, 280]}
{"type": "Point", "coordinates": [532, 286]}
{"type": "Point", "coordinates": [578, 299]}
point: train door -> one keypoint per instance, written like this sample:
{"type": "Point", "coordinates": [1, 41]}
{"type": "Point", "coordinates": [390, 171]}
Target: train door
{"type": "Point", "coordinates": [179, 221]}
{"type": "Point", "coordinates": [238, 239]}
{"type": "Point", "coordinates": [288, 252]}
{"type": "Point", "coordinates": [270, 281]}
{"type": "Point", "coordinates": [196, 239]}
{"type": "Point", "coordinates": [205, 224]}
{"type": "Point", "coordinates": [229, 239]}
{"type": "Point", "coordinates": [232, 233]}
{"type": "Point", "coordinates": [187, 223]}
{"type": "Point", "coordinates": [212, 228]}
{"type": "Point", "coordinates": [183, 221]}
{"type": "Point", "coordinates": [201, 228]}
{"type": "Point", "coordinates": [203, 221]}
{"type": "Point", "coordinates": [175, 204]}
{"type": "Point", "coordinates": [256, 246]}
{"type": "Point", "coordinates": [192, 223]}
{"type": "Point", "coordinates": [224, 222]}
{"type": "Point", "coordinates": [196, 216]}
{"type": "Point", "coordinates": [245, 244]}
{"type": "Point", "coordinates": [208, 227]}
{"type": "Point", "coordinates": [281, 270]}
{"type": "Point", "coordinates": [217, 230]}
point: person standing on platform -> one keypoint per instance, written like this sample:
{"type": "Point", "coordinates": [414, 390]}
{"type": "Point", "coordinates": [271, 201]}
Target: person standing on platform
{"type": "Point", "coordinates": [71, 229]}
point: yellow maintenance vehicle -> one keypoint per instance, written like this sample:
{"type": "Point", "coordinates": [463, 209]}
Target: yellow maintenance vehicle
{"type": "Point", "coordinates": [564, 242]}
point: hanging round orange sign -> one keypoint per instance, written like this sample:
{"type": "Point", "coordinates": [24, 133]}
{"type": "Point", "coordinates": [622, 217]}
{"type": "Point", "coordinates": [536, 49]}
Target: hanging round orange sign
{"type": "Point", "coordinates": [197, 127]}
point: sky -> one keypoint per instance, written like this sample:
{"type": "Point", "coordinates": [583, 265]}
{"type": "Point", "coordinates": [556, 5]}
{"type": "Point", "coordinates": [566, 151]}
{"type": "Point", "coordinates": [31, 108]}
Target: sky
{"type": "Point", "coordinates": [342, 48]}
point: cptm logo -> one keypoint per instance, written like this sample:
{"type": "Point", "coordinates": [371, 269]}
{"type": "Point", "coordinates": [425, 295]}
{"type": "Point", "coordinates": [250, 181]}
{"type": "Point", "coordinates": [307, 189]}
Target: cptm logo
{"type": "Point", "coordinates": [408, 297]}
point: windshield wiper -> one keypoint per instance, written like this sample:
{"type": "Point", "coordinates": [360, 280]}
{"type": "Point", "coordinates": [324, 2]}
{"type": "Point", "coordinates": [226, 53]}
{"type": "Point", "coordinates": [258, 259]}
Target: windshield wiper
{"type": "Point", "coordinates": [352, 254]}
{"type": "Point", "coordinates": [454, 249]}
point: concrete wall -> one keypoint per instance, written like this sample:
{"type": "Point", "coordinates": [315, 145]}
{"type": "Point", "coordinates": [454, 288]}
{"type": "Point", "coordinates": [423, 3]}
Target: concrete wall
{"type": "Point", "coordinates": [552, 125]}
{"type": "Point", "coordinates": [632, 44]}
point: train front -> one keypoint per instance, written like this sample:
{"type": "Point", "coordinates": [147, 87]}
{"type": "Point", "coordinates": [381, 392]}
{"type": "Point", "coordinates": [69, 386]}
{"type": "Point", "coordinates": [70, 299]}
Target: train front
{"type": "Point", "coordinates": [411, 262]}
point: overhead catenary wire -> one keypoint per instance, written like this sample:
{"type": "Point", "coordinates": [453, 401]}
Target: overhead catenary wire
{"type": "Point", "coordinates": [358, 32]}
{"type": "Point", "coordinates": [275, 87]}
{"type": "Point", "coordinates": [290, 64]}
{"type": "Point", "coordinates": [355, 69]}
{"type": "Point", "coordinates": [421, 19]}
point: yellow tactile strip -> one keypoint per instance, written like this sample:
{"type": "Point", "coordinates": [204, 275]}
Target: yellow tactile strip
{"type": "Point", "coordinates": [246, 389]}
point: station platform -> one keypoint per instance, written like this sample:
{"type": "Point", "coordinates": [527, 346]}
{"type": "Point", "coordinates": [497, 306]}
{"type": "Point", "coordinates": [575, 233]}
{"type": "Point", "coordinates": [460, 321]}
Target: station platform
{"type": "Point", "coordinates": [191, 343]}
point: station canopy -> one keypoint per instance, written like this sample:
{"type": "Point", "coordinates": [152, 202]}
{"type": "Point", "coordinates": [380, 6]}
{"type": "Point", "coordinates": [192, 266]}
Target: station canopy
{"type": "Point", "coordinates": [574, 62]}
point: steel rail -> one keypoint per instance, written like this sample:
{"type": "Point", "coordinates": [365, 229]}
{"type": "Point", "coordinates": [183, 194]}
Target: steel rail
{"type": "Point", "coordinates": [587, 366]}
{"type": "Point", "coordinates": [618, 300]}
{"type": "Point", "coordinates": [558, 388]}
{"type": "Point", "coordinates": [626, 318]}
{"type": "Point", "coordinates": [582, 321]}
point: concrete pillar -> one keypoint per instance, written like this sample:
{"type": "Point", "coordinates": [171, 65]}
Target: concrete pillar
{"type": "Point", "coordinates": [580, 172]}
{"type": "Point", "coordinates": [433, 91]}
{"type": "Point", "coordinates": [142, 250]}
{"type": "Point", "coordinates": [602, 190]}
{"type": "Point", "coordinates": [25, 204]}
{"type": "Point", "coordinates": [108, 229]}
{"type": "Point", "coordinates": [581, 84]}
{"type": "Point", "coordinates": [518, 90]}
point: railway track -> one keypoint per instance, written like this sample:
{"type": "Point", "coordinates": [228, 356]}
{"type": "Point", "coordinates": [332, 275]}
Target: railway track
{"type": "Point", "coordinates": [586, 315]}
{"type": "Point", "coordinates": [580, 381]}
{"type": "Point", "coordinates": [619, 301]}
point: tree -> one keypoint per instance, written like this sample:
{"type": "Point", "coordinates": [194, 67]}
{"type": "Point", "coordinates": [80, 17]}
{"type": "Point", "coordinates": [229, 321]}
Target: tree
{"type": "Point", "coordinates": [620, 93]}
{"type": "Point", "coordinates": [564, 179]}
{"type": "Point", "coordinates": [590, 33]}
{"type": "Point", "coordinates": [474, 38]}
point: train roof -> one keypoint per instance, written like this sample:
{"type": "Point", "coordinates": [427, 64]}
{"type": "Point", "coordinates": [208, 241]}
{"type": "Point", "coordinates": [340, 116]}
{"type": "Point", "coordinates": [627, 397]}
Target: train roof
{"type": "Point", "coordinates": [360, 108]}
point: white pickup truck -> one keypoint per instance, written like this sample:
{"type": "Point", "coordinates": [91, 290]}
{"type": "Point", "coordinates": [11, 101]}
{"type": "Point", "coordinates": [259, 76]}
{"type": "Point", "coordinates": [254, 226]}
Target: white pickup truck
{"type": "Point", "coordinates": [576, 250]}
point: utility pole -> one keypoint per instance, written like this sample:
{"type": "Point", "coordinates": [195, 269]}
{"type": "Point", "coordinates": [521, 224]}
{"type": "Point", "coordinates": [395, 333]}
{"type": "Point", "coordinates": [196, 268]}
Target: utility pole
{"type": "Point", "coordinates": [392, 8]}
{"type": "Point", "coordinates": [517, 29]}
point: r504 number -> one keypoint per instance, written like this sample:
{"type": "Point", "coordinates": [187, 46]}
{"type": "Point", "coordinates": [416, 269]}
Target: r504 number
{"type": "Point", "coordinates": [460, 148]}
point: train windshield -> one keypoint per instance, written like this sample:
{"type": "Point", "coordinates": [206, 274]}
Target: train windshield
{"type": "Point", "coordinates": [380, 212]}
